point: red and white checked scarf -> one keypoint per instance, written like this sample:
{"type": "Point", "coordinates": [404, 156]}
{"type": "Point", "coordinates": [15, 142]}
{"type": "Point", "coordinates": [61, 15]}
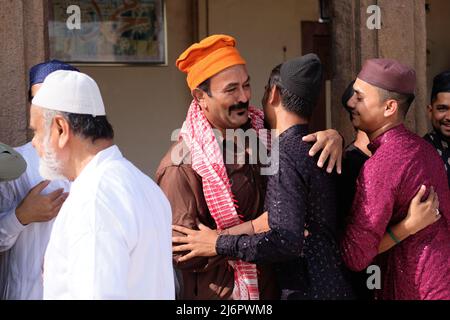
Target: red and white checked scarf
{"type": "Point", "coordinates": [207, 161]}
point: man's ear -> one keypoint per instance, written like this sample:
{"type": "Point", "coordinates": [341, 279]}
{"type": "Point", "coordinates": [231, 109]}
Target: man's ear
{"type": "Point", "coordinates": [199, 96]}
{"type": "Point", "coordinates": [430, 111]}
{"type": "Point", "coordinates": [274, 97]}
{"type": "Point", "coordinates": [391, 108]}
{"type": "Point", "coordinates": [63, 128]}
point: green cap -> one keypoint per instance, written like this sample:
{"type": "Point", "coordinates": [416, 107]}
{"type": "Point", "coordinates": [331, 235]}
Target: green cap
{"type": "Point", "coordinates": [12, 164]}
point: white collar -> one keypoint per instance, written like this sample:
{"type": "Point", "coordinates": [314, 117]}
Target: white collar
{"type": "Point", "coordinates": [110, 153]}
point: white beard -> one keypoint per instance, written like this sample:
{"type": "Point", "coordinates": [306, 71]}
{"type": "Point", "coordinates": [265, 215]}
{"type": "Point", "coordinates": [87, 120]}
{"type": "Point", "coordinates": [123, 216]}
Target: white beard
{"type": "Point", "coordinates": [49, 165]}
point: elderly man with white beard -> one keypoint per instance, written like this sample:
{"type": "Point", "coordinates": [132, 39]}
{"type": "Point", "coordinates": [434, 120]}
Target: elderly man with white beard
{"type": "Point", "coordinates": [112, 237]}
{"type": "Point", "coordinates": [28, 206]}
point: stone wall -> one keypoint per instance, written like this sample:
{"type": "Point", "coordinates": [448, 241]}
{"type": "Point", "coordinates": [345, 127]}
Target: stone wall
{"type": "Point", "coordinates": [22, 44]}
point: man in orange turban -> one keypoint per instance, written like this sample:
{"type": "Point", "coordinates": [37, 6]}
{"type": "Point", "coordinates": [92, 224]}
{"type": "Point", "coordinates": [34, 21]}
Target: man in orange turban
{"type": "Point", "coordinates": [200, 183]}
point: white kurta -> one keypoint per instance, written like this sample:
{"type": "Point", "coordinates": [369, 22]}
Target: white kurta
{"type": "Point", "coordinates": [112, 237]}
{"type": "Point", "coordinates": [22, 247]}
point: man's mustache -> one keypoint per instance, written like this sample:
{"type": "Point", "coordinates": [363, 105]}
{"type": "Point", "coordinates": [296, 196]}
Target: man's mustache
{"type": "Point", "coordinates": [238, 106]}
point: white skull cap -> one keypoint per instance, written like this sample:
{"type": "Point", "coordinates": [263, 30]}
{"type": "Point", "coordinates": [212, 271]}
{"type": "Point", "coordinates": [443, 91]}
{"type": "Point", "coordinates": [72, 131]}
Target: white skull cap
{"type": "Point", "coordinates": [70, 91]}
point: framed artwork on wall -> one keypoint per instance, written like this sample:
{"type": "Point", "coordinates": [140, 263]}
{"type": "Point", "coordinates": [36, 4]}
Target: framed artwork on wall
{"type": "Point", "coordinates": [113, 32]}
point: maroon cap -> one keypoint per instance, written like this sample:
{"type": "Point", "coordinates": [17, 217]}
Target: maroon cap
{"type": "Point", "coordinates": [389, 74]}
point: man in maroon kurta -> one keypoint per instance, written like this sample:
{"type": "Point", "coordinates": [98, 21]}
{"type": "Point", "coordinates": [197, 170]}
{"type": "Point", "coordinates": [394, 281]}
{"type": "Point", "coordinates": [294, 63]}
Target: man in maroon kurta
{"type": "Point", "coordinates": [419, 266]}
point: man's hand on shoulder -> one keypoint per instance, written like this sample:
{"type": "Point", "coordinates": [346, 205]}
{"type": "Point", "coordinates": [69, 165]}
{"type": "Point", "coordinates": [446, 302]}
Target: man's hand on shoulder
{"type": "Point", "coordinates": [331, 143]}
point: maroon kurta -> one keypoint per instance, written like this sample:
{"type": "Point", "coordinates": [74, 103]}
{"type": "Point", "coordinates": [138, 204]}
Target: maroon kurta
{"type": "Point", "coordinates": [418, 267]}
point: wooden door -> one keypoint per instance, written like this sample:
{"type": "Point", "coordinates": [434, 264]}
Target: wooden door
{"type": "Point", "coordinates": [316, 38]}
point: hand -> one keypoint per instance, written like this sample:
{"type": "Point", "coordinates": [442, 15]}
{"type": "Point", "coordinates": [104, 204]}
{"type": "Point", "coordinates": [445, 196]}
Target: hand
{"type": "Point", "coordinates": [36, 207]}
{"type": "Point", "coordinates": [422, 214]}
{"type": "Point", "coordinates": [330, 142]}
{"type": "Point", "coordinates": [261, 224]}
{"type": "Point", "coordinates": [201, 243]}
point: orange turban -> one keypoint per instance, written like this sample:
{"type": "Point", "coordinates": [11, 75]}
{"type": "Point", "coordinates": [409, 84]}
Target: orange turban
{"type": "Point", "coordinates": [208, 57]}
